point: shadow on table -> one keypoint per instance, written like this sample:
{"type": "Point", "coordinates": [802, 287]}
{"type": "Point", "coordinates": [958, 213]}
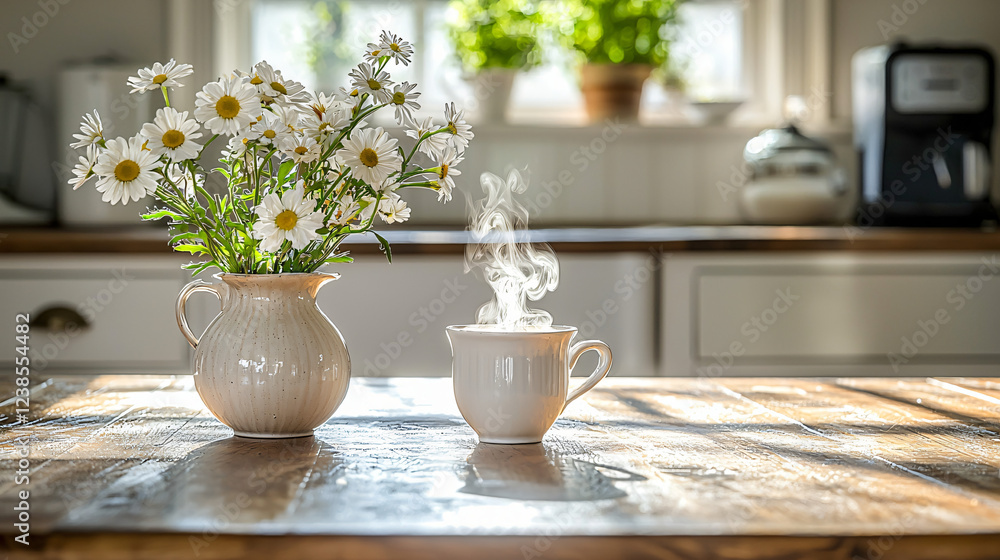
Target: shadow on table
{"type": "Point", "coordinates": [540, 472]}
{"type": "Point", "coordinates": [248, 480]}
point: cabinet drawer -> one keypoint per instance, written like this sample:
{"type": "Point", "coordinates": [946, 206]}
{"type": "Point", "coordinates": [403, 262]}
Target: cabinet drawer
{"type": "Point", "coordinates": [812, 315]}
{"type": "Point", "coordinates": [128, 311]}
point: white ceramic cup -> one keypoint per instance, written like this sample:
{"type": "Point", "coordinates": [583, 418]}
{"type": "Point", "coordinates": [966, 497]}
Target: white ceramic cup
{"type": "Point", "coordinates": [511, 386]}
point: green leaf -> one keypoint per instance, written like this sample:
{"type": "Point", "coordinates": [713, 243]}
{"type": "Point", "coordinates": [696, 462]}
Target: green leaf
{"type": "Point", "coordinates": [191, 248]}
{"type": "Point", "coordinates": [199, 267]}
{"type": "Point", "coordinates": [182, 236]}
{"type": "Point", "coordinates": [284, 169]}
{"type": "Point", "coordinates": [385, 246]}
{"type": "Point", "coordinates": [339, 259]}
{"type": "Point", "coordinates": [164, 213]}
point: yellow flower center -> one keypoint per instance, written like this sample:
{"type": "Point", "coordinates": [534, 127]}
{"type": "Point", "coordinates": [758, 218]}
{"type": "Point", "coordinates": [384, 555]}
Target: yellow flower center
{"type": "Point", "coordinates": [286, 220]}
{"type": "Point", "coordinates": [279, 87]}
{"type": "Point", "coordinates": [323, 125]}
{"type": "Point", "coordinates": [159, 79]}
{"type": "Point", "coordinates": [375, 52]}
{"type": "Point", "coordinates": [444, 171]}
{"type": "Point", "coordinates": [256, 80]}
{"type": "Point", "coordinates": [301, 150]}
{"type": "Point", "coordinates": [452, 129]}
{"type": "Point", "coordinates": [399, 98]}
{"type": "Point", "coordinates": [394, 47]}
{"type": "Point", "coordinates": [368, 157]}
{"type": "Point", "coordinates": [172, 138]}
{"type": "Point", "coordinates": [269, 134]}
{"type": "Point", "coordinates": [126, 170]}
{"type": "Point", "coordinates": [373, 84]}
{"type": "Point", "coordinates": [227, 107]}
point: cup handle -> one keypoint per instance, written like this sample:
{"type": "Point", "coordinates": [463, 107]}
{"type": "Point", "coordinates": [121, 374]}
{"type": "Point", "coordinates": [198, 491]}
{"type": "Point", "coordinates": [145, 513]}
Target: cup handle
{"type": "Point", "coordinates": [186, 291]}
{"type": "Point", "coordinates": [603, 366]}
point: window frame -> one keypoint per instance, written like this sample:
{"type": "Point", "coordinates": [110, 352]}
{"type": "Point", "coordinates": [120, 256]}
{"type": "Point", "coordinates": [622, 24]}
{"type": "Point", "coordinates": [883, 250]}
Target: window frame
{"type": "Point", "coordinates": [787, 50]}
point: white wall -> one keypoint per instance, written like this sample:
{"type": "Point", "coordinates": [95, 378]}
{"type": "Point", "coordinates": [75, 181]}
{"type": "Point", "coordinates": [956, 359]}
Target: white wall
{"type": "Point", "coordinates": [80, 30]}
{"type": "Point", "coordinates": [861, 23]}
{"type": "Point", "coordinates": [42, 36]}
{"type": "Point", "coordinates": [648, 175]}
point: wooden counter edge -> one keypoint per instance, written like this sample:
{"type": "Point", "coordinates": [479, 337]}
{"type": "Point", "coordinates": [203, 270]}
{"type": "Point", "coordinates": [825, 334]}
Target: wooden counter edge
{"type": "Point", "coordinates": [210, 546]}
{"type": "Point", "coordinates": [673, 239]}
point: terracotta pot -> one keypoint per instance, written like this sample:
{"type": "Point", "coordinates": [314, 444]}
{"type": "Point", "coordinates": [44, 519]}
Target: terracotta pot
{"type": "Point", "coordinates": [613, 90]}
{"type": "Point", "coordinates": [271, 364]}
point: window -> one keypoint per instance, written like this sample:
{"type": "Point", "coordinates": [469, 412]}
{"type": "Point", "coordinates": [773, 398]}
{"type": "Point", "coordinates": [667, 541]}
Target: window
{"type": "Point", "coordinates": [318, 41]}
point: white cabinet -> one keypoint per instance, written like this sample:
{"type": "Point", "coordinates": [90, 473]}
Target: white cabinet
{"type": "Point", "coordinates": [831, 314]}
{"type": "Point", "coordinates": [125, 305]}
{"type": "Point", "coordinates": [393, 315]}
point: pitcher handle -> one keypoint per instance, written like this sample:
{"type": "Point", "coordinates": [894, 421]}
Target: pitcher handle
{"type": "Point", "coordinates": [603, 366]}
{"type": "Point", "coordinates": [186, 291]}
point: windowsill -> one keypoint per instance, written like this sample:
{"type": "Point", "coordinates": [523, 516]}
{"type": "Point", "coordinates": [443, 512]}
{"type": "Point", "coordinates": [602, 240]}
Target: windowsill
{"type": "Point", "coordinates": [647, 127]}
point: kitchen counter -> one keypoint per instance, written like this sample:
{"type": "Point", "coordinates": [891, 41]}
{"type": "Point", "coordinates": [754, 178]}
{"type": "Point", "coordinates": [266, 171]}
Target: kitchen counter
{"type": "Point", "coordinates": [826, 469]}
{"type": "Point", "coordinates": [569, 240]}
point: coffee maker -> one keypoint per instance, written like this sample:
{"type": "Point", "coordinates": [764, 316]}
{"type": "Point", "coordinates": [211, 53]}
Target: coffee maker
{"type": "Point", "coordinates": [923, 126]}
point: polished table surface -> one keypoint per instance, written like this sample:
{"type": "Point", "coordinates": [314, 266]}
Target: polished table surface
{"type": "Point", "coordinates": [135, 467]}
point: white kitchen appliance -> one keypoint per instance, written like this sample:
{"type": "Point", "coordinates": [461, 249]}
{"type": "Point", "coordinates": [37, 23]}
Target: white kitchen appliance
{"type": "Point", "coordinates": [794, 179]}
{"type": "Point", "coordinates": [81, 90]}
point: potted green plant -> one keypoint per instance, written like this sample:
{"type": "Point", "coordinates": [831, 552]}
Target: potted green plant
{"type": "Point", "coordinates": [493, 40]}
{"type": "Point", "coordinates": [620, 43]}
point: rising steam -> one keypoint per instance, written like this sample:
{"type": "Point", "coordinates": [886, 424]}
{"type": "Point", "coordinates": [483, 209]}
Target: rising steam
{"type": "Point", "coordinates": [517, 271]}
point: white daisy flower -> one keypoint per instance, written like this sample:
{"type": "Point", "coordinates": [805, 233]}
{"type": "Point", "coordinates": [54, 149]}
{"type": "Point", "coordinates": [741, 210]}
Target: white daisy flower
{"type": "Point", "coordinates": [393, 209]}
{"type": "Point", "coordinates": [433, 146]}
{"type": "Point", "coordinates": [301, 148]}
{"type": "Point", "coordinates": [338, 167]}
{"type": "Point", "coordinates": [396, 48]}
{"type": "Point", "coordinates": [364, 79]}
{"type": "Point", "coordinates": [91, 130]}
{"type": "Point", "coordinates": [459, 132]}
{"type": "Point", "coordinates": [331, 120]}
{"type": "Point", "coordinates": [319, 103]}
{"type": "Point", "coordinates": [446, 173]}
{"type": "Point", "coordinates": [273, 88]}
{"type": "Point", "coordinates": [172, 133]}
{"type": "Point", "coordinates": [85, 169]}
{"type": "Point", "coordinates": [372, 52]}
{"type": "Point", "coordinates": [270, 130]}
{"type": "Point", "coordinates": [290, 217]}
{"type": "Point", "coordinates": [125, 170]}
{"type": "Point", "coordinates": [403, 102]}
{"type": "Point", "coordinates": [160, 75]}
{"type": "Point", "coordinates": [289, 115]}
{"type": "Point", "coordinates": [345, 212]}
{"type": "Point", "coordinates": [371, 155]}
{"type": "Point", "coordinates": [237, 146]}
{"type": "Point", "coordinates": [352, 97]}
{"type": "Point", "coordinates": [228, 105]}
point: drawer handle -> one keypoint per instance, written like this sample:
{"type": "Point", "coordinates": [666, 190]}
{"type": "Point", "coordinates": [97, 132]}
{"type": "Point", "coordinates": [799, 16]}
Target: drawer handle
{"type": "Point", "coordinates": [59, 319]}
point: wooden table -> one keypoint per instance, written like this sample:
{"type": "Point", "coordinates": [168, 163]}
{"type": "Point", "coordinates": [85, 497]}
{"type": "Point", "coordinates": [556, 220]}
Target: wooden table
{"type": "Point", "coordinates": [134, 467]}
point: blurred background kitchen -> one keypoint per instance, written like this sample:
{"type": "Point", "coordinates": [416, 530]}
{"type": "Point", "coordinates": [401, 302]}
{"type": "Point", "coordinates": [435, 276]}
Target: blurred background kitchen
{"type": "Point", "coordinates": [654, 134]}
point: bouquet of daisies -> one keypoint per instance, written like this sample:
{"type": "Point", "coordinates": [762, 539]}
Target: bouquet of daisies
{"type": "Point", "coordinates": [303, 170]}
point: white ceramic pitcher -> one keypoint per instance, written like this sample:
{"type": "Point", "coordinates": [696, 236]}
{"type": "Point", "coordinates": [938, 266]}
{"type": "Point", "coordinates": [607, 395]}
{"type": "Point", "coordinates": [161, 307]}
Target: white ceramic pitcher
{"type": "Point", "coordinates": [271, 364]}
